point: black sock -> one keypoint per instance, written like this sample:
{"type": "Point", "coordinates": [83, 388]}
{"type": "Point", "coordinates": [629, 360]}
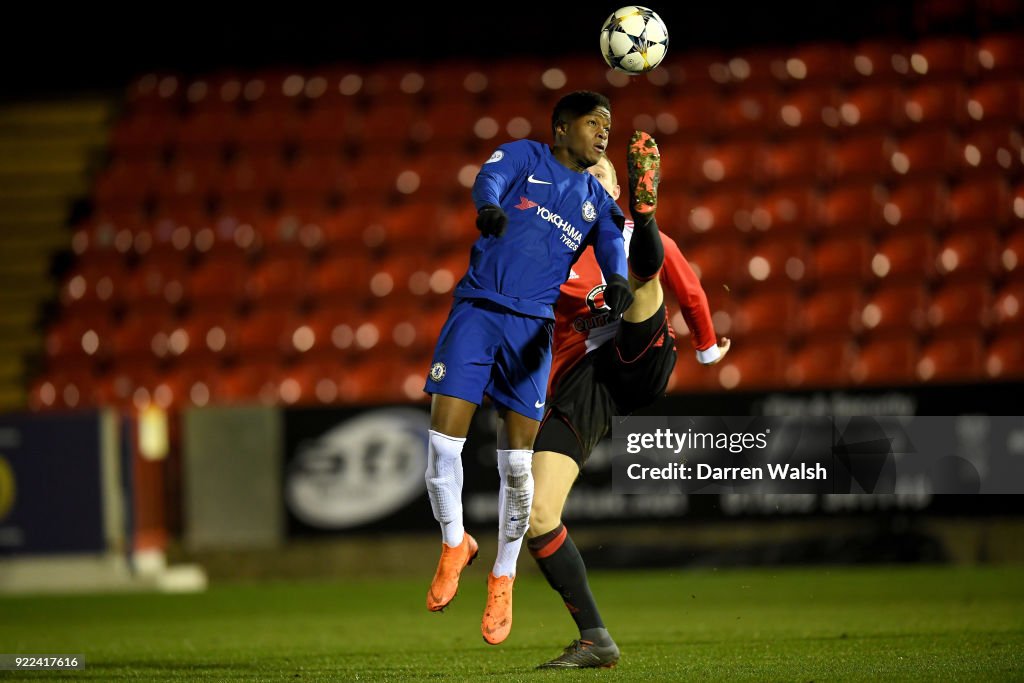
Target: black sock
{"type": "Point", "coordinates": [646, 253]}
{"type": "Point", "coordinates": [562, 565]}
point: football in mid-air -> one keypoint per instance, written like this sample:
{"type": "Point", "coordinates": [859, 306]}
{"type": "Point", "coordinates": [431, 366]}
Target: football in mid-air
{"type": "Point", "coordinates": [634, 39]}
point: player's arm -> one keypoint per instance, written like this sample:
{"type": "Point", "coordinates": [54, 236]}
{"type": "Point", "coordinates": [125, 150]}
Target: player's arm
{"type": "Point", "coordinates": [693, 303]}
{"type": "Point", "coordinates": [610, 250]}
{"type": "Point", "coordinates": [495, 176]}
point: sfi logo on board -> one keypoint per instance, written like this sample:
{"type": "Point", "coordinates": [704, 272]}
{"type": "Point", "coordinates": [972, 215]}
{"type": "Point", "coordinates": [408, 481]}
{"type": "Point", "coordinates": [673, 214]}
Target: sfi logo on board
{"type": "Point", "coordinates": [362, 470]}
{"type": "Point", "coordinates": [7, 488]}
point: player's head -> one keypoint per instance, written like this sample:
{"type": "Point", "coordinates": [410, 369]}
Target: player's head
{"type": "Point", "coordinates": [581, 122]}
{"type": "Point", "coordinates": [604, 171]}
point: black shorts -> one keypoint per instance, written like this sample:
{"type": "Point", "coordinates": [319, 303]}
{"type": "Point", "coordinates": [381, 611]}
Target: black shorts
{"type": "Point", "coordinates": [604, 383]}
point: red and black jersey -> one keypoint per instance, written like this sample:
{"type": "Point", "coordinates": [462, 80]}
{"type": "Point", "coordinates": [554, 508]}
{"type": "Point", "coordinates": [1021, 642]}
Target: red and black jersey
{"type": "Point", "coordinates": [581, 317]}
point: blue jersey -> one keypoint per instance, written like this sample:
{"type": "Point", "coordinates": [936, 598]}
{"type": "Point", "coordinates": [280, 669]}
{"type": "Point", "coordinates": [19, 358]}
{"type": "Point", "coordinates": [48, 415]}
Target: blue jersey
{"type": "Point", "coordinates": [553, 214]}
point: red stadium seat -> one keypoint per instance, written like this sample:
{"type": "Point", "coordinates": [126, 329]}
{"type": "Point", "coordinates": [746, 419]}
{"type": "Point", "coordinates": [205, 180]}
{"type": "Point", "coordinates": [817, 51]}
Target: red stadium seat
{"type": "Point", "coordinates": [833, 310]}
{"type": "Point", "coordinates": [890, 360]}
{"type": "Point", "coordinates": [842, 259]}
{"type": "Point", "coordinates": [1001, 53]}
{"type": "Point", "coordinates": [274, 90]}
{"type": "Point", "coordinates": [864, 157]}
{"type": "Point", "coordinates": [195, 178]}
{"type": "Point", "coordinates": [218, 93]}
{"type": "Point", "coordinates": [1011, 258]}
{"type": "Point", "coordinates": [991, 149]}
{"type": "Point", "coordinates": [450, 121]}
{"type": "Point", "coordinates": [143, 136]}
{"type": "Point", "coordinates": [143, 336]}
{"type": "Point", "coordinates": [157, 282]}
{"type": "Point", "coordinates": [905, 256]}
{"type": "Point", "coordinates": [983, 201]}
{"type": "Point", "coordinates": [749, 111]}
{"type": "Point", "coordinates": [390, 82]}
{"type": "Point", "coordinates": [774, 260]}
{"type": "Point", "coordinates": [962, 304]}
{"type": "Point", "coordinates": [872, 107]}
{"type": "Point", "coordinates": [716, 264]}
{"type": "Point", "coordinates": [155, 93]}
{"type": "Point", "coordinates": [939, 104]}
{"type": "Point", "coordinates": [821, 363]}
{"type": "Point", "coordinates": [341, 278]}
{"type": "Point", "coordinates": [875, 62]}
{"type": "Point", "coordinates": [929, 152]}
{"type": "Point", "coordinates": [314, 180]}
{"type": "Point", "coordinates": [267, 130]}
{"type": "Point", "coordinates": [813, 109]}
{"type": "Point", "coordinates": [811, 63]}
{"type": "Point", "coordinates": [940, 59]}
{"type": "Point", "coordinates": [267, 334]}
{"type": "Point", "coordinates": [248, 383]}
{"type": "Point", "coordinates": [996, 101]}
{"type": "Point", "coordinates": [326, 129]}
{"type": "Point", "coordinates": [204, 337]}
{"type": "Point", "coordinates": [895, 308]}
{"type": "Point", "coordinates": [94, 286]}
{"type": "Point", "coordinates": [854, 208]}
{"type": "Point", "coordinates": [218, 284]}
{"type": "Point", "coordinates": [766, 315]}
{"type": "Point", "coordinates": [955, 357]}
{"type": "Point", "coordinates": [920, 204]}
{"type": "Point", "coordinates": [716, 214]}
{"type": "Point", "coordinates": [1008, 306]}
{"type": "Point", "coordinates": [78, 341]}
{"type": "Point", "coordinates": [800, 160]}
{"type": "Point", "coordinates": [1005, 356]}
{"type": "Point", "coordinates": [787, 211]}
{"type": "Point", "coordinates": [726, 164]}
{"type": "Point", "coordinates": [969, 252]}
{"type": "Point", "coordinates": [207, 132]}
{"type": "Point", "coordinates": [251, 179]}
{"type": "Point", "coordinates": [390, 122]}
{"type": "Point", "coordinates": [127, 184]}
{"type": "Point", "coordinates": [695, 113]}
{"type": "Point", "coordinates": [279, 281]}
{"type": "Point", "coordinates": [752, 367]}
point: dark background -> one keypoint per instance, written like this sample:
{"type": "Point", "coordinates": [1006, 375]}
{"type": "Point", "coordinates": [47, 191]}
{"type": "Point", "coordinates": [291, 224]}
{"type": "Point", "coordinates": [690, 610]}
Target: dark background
{"type": "Point", "coordinates": [50, 51]}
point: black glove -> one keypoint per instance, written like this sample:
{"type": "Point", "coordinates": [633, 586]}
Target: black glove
{"type": "Point", "coordinates": [617, 296]}
{"type": "Point", "coordinates": [491, 220]}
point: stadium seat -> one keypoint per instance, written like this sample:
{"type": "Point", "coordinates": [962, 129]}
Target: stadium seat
{"type": "Point", "coordinates": [812, 63]}
{"type": "Point", "coordinates": [1000, 54]}
{"type": "Point", "coordinates": [94, 286]}
{"type": "Point", "coordinates": [717, 264]}
{"type": "Point", "coordinates": [127, 184]}
{"type": "Point", "coordinates": [764, 315]}
{"type": "Point", "coordinates": [266, 334]}
{"type": "Point", "coordinates": [695, 113]}
{"type": "Point", "coordinates": [251, 179]}
{"type": "Point", "coordinates": [942, 59]}
{"type": "Point", "coordinates": [310, 383]}
{"type": "Point", "coordinates": [896, 307]}
{"type": "Point", "coordinates": [905, 256]}
{"type": "Point", "coordinates": [218, 284]}
{"type": "Point", "coordinates": [748, 112]}
{"type": "Point", "coordinates": [989, 149]}
{"type": "Point", "coordinates": [874, 61]}
{"type": "Point", "coordinates": [278, 90]}
{"type": "Point", "coordinates": [394, 82]}
{"type": "Point", "coordinates": [775, 260]}
{"type": "Point", "coordinates": [996, 101]}
{"type": "Point", "coordinates": [792, 210]}
{"type": "Point", "coordinates": [449, 121]}
{"type": "Point", "coordinates": [960, 304]}
{"type": "Point", "coordinates": [821, 363]}
{"type": "Point", "coordinates": [73, 341]}
{"type": "Point", "coordinates": [918, 204]}
{"type": "Point", "coordinates": [144, 335]}
{"type": "Point", "coordinates": [799, 160]}
{"type": "Point", "coordinates": [159, 282]}
{"type": "Point", "coordinates": [327, 333]}
{"type": "Point", "coordinates": [853, 208]}
{"type": "Point", "coordinates": [982, 201]}
{"type": "Point", "coordinates": [389, 122]}
{"type": "Point", "coordinates": [313, 180]}
{"type": "Point", "coordinates": [455, 79]}
{"type": "Point", "coordinates": [890, 360]}
{"type": "Point", "coordinates": [267, 130]}
{"type": "Point", "coordinates": [194, 179]}
{"type": "Point", "coordinates": [725, 164]}
{"type": "Point", "coordinates": [867, 156]}
{"type": "Point", "coordinates": [752, 367]}
{"type": "Point", "coordinates": [278, 281]}
{"type": "Point", "coordinates": [929, 152]}
{"type": "Point", "coordinates": [143, 136]}
{"type": "Point", "coordinates": [832, 311]}
{"type": "Point", "coordinates": [1011, 258]}
{"type": "Point", "coordinates": [326, 130]}
{"type": "Point", "coordinates": [218, 93]}
{"type": "Point", "coordinates": [343, 228]}
{"type": "Point", "coordinates": [62, 389]}
{"type": "Point", "coordinates": [811, 110]}
{"type": "Point", "coordinates": [247, 383]}
{"type": "Point", "coordinates": [954, 357]}
{"type": "Point", "coordinates": [1008, 306]}
{"type": "Point", "coordinates": [230, 236]}
{"type": "Point", "coordinates": [968, 252]}
{"type": "Point", "coordinates": [204, 336]}
{"type": "Point", "coordinates": [872, 107]}
{"type": "Point", "coordinates": [155, 93]}
{"type": "Point", "coordinates": [206, 132]}
{"type": "Point", "coordinates": [935, 104]}
{"type": "Point", "coordinates": [1004, 358]}
{"type": "Point", "coordinates": [341, 278]}
{"type": "Point", "coordinates": [718, 214]}
{"type": "Point", "coordinates": [842, 259]}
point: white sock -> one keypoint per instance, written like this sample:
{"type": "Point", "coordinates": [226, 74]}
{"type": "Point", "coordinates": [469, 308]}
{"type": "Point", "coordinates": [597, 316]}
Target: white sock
{"type": "Point", "coordinates": [515, 496]}
{"type": "Point", "coordinates": [444, 484]}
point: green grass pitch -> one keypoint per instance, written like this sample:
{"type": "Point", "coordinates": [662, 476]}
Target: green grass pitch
{"type": "Point", "coordinates": [820, 624]}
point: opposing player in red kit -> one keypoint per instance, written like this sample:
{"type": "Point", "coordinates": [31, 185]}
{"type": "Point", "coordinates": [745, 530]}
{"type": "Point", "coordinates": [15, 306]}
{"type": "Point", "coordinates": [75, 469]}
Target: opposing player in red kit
{"type": "Point", "coordinates": [604, 368]}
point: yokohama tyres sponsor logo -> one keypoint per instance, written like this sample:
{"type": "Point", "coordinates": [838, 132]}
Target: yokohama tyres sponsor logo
{"type": "Point", "coordinates": [571, 237]}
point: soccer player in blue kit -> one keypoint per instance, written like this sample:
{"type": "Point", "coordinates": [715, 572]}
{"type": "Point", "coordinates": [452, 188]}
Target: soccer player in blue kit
{"type": "Point", "coordinates": [537, 209]}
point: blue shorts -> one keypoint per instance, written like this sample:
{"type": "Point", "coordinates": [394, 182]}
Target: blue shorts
{"type": "Point", "coordinates": [488, 349]}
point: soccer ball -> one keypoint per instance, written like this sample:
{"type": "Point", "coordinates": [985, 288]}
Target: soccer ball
{"type": "Point", "coordinates": [634, 39]}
